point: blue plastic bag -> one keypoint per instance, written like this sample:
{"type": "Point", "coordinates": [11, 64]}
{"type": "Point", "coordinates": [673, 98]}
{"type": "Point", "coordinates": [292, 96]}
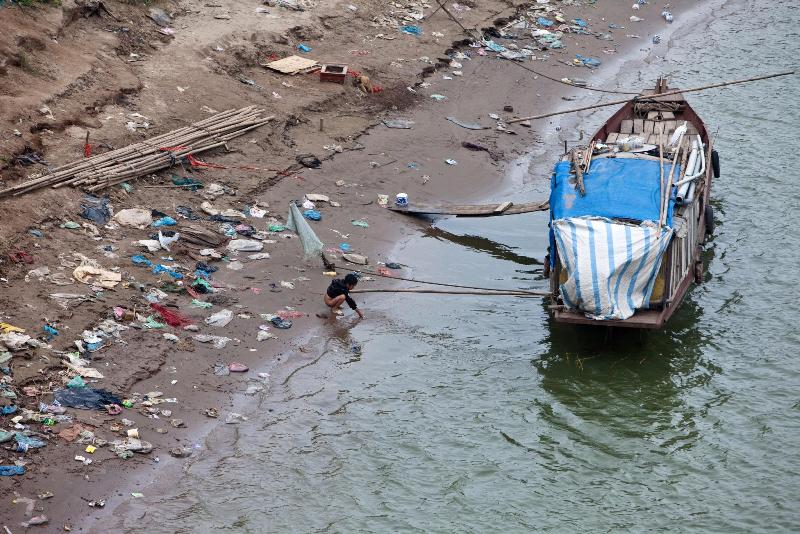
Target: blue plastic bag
{"type": "Point", "coordinates": [141, 260]}
{"type": "Point", "coordinates": [541, 21]}
{"type": "Point", "coordinates": [162, 269]}
{"type": "Point", "coordinates": [587, 61]}
{"type": "Point", "coordinates": [165, 221]}
{"type": "Point", "coordinates": [411, 30]}
{"type": "Point", "coordinates": [11, 470]}
{"type": "Point", "coordinates": [304, 48]}
{"type": "Point", "coordinates": [312, 215]}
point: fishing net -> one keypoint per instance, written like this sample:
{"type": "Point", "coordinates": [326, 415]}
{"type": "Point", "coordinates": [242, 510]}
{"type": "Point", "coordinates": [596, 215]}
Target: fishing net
{"type": "Point", "coordinates": [312, 246]}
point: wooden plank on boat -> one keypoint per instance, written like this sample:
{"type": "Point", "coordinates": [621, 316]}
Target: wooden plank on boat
{"type": "Point", "coordinates": [473, 210]}
{"type": "Point", "coordinates": [503, 207]}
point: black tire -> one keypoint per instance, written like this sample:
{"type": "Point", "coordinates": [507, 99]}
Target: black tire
{"type": "Point", "coordinates": [709, 217]}
{"type": "Point", "coordinates": [715, 163]}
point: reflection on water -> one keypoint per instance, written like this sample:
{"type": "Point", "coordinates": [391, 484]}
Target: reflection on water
{"type": "Point", "coordinates": [480, 415]}
{"type": "Point", "coordinates": [483, 244]}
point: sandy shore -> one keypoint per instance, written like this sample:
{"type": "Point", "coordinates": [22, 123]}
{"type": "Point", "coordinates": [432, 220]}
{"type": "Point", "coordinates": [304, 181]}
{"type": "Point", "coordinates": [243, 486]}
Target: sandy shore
{"type": "Point", "coordinates": [375, 160]}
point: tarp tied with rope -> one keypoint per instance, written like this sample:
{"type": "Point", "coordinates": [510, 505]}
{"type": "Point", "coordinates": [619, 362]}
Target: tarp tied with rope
{"type": "Point", "coordinates": [611, 267]}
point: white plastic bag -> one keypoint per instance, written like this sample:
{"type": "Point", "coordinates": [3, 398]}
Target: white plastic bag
{"type": "Point", "coordinates": [220, 319]}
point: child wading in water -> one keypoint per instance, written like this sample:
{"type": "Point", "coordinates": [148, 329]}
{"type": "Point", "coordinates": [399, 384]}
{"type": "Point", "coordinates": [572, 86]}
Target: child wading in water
{"type": "Point", "coordinates": [339, 292]}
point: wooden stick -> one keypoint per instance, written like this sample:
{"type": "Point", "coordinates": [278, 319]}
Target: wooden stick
{"type": "Point", "coordinates": [578, 173]}
{"type": "Point", "coordinates": [654, 97]}
{"type": "Point", "coordinates": [661, 173]}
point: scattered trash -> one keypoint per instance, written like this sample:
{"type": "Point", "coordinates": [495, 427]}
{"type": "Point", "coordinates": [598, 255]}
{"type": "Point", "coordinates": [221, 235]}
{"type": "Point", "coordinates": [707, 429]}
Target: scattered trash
{"type": "Point", "coordinates": [172, 318]}
{"type": "Point", "coordinates": [279, 322]}
{"type": "Point", "coordinates": [181, 452]}
{"type": "Point", "coordinates": [309, 160]}
{"type": "Point", "coordinates": [438, 97]}
{"type": "Point", "coordinates": [467, 125]}
{"type": "Point", "coordinates": [245, 245]}
{"type": "Point", "coordinates": [86, 398]}
{"type": "Point", "coordinates": [292, 65]}
{"type": "Point", "coordinates": [219, 342]}
{"type": "Point", "coordinates": [312, 215]}
{"type": "Point", "coordinates": [403, 124]}
{"type": "Point", "coordinates": [451, 162]}
{"type": "Point", "coordinates": [411, 30]}
{"type": "Point", "coordinates": [358, 259]}
{"type": "Point", "coordinates": [219, 319]}
{"type": "Point", "coordinates": [95, 209]}
{"type": "Point", "coordinates": [89, 274]}
{"type": "Point", "coordinates": [164, 221]}
{"type": "Point", "coordinates": [35, 520]}
{"type": "Point", "coordinates": [304, 48]}
{"type": "Point", "coordinates": [235, 418]}
{"type": "Point", "coordinates": [667, 16]}
{"type": "Point", "coordinates": [586, 61]}
{"type": "Point", "coordinates": [235, 367]}
{"type": "Point", "coordinates": [11, 470]}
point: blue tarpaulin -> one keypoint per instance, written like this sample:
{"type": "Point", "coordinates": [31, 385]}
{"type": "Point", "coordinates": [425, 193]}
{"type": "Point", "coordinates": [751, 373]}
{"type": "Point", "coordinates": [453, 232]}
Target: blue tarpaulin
{"type": "Point", "coordinates": [616, 188]}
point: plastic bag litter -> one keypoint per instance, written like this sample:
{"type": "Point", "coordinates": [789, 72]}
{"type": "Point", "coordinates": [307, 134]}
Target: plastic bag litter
{"type": "Point", "coordinates": [89, 274]}
{"type": "Point", "coordinates": [159, 268]}
{"type": "Point", "coordinates": [28, 442]}
{"type": "Point", "coordinates": [358, 259]}
{"type": "Point", "coordinates": [258, 256]}
{"type": "Point", "coordinates": [467, 125]}
{"type": "Point", "coordinates": [283, 324]}
{"type": "Point", "coordinates": [218, 342]}
{"type": "Point", "coordinates": [11, 470]}
{"type": "Point", "coordinates": [235, 418]}
{"type": "Point", "coordinates": [95, 209]}
{"type": "Point", "coordinates": [134, 217]}
{"type": "Point", "coordinates": [171, 317]}
{"type": "Point", "coordinates": [586, 61]}
{"type": "Point", "coordinates": [312, 246]}
{"type": "Point", "coordinates": [245, 245]}
{"type": "Point", "coordinates": [152, 245]}
{"type": "Point", "coordinates": [165, 221]}
{"type": "Point", "coordinates": [312, 215]}
{"type": "Point", "coordinates": [141, 260]}
{"type": "Point", "coordinates": [165, 239]}
{"type": "Point", "coordinates": [86, 398]}
{"type": "Point", "coordinates": [220, 319]}
{"type": "Point", "coordinates": [403, 124]}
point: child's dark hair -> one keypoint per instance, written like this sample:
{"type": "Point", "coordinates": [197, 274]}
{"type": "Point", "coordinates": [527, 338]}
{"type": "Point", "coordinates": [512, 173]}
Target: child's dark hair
{"type": "Point", "coordinates": [351, 279]}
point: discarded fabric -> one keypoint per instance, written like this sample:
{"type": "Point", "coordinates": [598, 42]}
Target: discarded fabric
{"type": "Point", "coordinates": [86, 398]}
{"type": "Point", "coordinates": [95, 209]}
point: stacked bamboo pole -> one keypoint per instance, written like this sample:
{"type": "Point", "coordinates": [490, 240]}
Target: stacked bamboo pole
{"type": "Point", "coordinates": [151, 155]}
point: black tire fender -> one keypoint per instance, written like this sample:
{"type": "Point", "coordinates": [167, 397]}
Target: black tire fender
{"type": "Point", "coordinates": [715, 163]}
{"type": "Point", "coordinates": [708, 214]}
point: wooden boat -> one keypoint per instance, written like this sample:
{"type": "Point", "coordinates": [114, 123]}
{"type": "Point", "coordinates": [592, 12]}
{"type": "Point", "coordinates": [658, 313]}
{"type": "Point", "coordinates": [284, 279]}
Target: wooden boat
{"type": "Point", "coordinates": [610, 186]}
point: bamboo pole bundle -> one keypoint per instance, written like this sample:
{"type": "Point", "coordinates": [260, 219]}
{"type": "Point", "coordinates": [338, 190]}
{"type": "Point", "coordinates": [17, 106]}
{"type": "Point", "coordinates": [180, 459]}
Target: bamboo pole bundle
{"type": "Point", "coordinates": [150, 155]}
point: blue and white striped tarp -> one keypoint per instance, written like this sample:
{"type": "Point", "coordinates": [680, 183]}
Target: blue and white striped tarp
{"type": "Point", "coordinates": [611, 266]}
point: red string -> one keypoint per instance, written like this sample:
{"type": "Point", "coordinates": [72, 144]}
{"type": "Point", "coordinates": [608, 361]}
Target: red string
{"type": "Point", "coordinates": [197, 163]}
{"type": "Point", "coordinates": [87, 150]}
